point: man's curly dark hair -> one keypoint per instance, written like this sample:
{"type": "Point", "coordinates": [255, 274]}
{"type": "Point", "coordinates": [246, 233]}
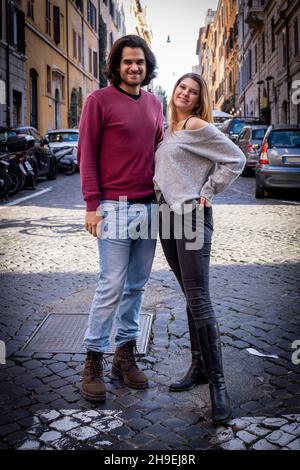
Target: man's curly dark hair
{"type": "Point", "coordinates": [114, 59]}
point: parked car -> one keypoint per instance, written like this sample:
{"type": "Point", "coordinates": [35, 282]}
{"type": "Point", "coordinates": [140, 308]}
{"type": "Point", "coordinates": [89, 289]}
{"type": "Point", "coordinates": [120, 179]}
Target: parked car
{"type": "Point", "coordinates": [62, 138]}
{"type": "Point", "coordinates": [43, 162]}
{"type": "Point", "coordinates": [249, 141]}
{"type": "Point", "coordinates": [232, 127]}
{"type": "Point", "coordinates": [63, 144]}
{"type": "Point", "coordinates": [279, 160]}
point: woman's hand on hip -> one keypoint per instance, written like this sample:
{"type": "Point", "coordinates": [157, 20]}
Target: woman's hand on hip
{"type": "Point", "coordinates": [204, 202]}
{"type": "Point", "coordinates": [91, 222]}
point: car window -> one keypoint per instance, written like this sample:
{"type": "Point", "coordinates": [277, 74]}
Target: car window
{"type": "Point", "coordinates": [237, 126]}
{"type": "Point", "coordinates": [283, 138]}
{"type": "Point", "coordinates": [37, 137]}
{"type": "Point", "coordinates": [241, 135]}
{"type": "Point", "coordinates": [23, 131]}
{"type": "Point", "coordinates": [5, 134]}
{"type": "Point", "coordinates": [258, 134]}
{"type": "Point", "coordinates": [63, 137]}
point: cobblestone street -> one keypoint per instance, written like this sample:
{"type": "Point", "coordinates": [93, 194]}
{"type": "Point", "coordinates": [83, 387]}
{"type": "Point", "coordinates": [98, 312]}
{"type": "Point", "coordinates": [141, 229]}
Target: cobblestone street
{"type": "Point", "coordinates": [49, 263]}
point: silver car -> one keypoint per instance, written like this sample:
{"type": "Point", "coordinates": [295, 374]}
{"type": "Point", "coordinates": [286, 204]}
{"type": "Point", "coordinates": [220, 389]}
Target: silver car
{"type": "Point", "coordinates": [60, 139]}
{"type": "Point", "coordinates": [249, 141]}
{"type": "Point", "coordinates": [279, 160]}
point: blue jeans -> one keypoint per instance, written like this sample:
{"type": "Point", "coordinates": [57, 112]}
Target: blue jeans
{"type": "Point", "coordinates": [125, 265]}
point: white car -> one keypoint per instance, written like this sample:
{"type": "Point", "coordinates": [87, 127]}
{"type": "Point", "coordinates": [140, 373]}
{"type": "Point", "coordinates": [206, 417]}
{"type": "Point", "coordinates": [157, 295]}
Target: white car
{"type": "Point", "coordinates": [60, 139]}
{"type": "Point", "coordinates": [63, 144]}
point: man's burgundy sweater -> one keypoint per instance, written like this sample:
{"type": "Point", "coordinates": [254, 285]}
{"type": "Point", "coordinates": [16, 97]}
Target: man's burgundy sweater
{"type": "Point", "coordinates": [118, 136]}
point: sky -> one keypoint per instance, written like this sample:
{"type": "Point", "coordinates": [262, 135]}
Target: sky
{"type": "Point", "coordinates": [181, 20]}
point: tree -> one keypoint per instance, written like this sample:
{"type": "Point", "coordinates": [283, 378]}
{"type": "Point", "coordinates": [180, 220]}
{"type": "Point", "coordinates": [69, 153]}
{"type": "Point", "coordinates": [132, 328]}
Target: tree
{"type": "Point", "coordinates": [228, 104]}
{"type": "Point", "coordinates": [162, 95]}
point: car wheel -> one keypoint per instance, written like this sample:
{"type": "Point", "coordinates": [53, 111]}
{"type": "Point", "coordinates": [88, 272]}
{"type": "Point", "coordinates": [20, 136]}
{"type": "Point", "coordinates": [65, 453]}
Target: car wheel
{"type": "Point", "coordinates": [70, 171]}
{"type": "Point", "coordinates": [53, 171]}
{"type": "Point", "coordinates": [246, 172]}
{"type": "Point", "coordinates": [5, 183]}
{"type": "Point", "coordinates": [259, 192]}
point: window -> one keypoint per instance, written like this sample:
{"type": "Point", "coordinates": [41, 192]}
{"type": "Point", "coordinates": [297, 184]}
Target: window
{"type": "Point", "coordinates": [296, 38]}
{"type": "Point", "coordinates": [111, 8]}
{"type": "Point", "coordinates": [90, 61]}
{"type": "Point", "coordinates": [74, 44]}
{"type": "Point", "coordinates": [92, 15]}
{"type": "Point", "coordinates": [255, 58]}
{"type": "Point", "coordinates": [111, 39]}
{"type": "Point", "coordinates": [263, 45]}
{"type": "Point", "coordinates": [17, 29]}
{"type": "Point", "coordinates": [48, 79]}
{"type": "Point", "coordinates": [48, 17]}
{"type": "Point", "coordinates": [33, 98]}
{"type": "Point", "coordinates": [1, 20]}
{"type": "Point", "coordinates": [250, 65]}
{"type": "Point", "coordinates": [79, 49]}
{"type": "Point", "coordinates": [78, 3]}
{"type": "Point", "coordinates": [284, 57]}
{"type": "Point", "coordinates": [272, 34]}
{"type": "Point", "coordinates": [56, 21]}
{"type": "Point", "coordinates": [30, 9]}
{"type": "Point", "coordinates": [17, 108]}
{"type": "Point", "coordinates": [95, 63]}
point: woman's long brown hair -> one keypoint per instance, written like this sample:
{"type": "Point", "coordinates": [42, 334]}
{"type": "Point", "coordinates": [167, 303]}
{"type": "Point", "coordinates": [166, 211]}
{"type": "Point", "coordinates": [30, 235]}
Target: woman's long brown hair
{"type": "Point", "coordinates": [203, 109]}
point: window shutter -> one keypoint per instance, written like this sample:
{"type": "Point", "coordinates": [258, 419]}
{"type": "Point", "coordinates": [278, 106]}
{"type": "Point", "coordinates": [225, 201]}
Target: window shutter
{"type": "Point", "coordinates": [21, 32]}
{"type": "Point", "coordinates": [56, 18]}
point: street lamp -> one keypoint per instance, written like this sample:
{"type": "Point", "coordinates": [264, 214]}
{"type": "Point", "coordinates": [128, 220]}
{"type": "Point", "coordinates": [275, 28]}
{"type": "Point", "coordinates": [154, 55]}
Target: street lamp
{"type": "Point", "coordinates": [168, 38]}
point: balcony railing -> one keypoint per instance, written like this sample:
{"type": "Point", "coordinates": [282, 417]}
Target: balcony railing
{"type": "Point", "coordinates": [255, 17]}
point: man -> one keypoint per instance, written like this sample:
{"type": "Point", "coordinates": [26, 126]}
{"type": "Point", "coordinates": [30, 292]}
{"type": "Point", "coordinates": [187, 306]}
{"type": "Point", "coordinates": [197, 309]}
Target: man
{"type": "Point", "coordinates": [120, 128]}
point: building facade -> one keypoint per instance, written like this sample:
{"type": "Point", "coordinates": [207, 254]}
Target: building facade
{"type": "Point", "coordinates": [66, 67]}
{"type": "Point", "coordinates": [12, 63]}
{"type": "Point", "coordinates": [111, 28]}
{"type": "Point", "coordinates": [269, 57]}
{"type": "Point", "coordinates": [217, 50]}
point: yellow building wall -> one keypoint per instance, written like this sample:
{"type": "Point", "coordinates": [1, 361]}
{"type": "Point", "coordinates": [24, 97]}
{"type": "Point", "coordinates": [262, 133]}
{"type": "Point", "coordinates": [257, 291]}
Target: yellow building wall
{"type": "Point", "coordinates": [67, 72]}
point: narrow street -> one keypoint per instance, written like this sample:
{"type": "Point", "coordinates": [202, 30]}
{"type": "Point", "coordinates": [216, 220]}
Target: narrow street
{"type": "Point", "coordinates": [50, 264]}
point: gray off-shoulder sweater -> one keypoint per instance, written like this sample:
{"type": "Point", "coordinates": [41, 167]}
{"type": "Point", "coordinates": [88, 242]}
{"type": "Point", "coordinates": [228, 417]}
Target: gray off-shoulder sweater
{"type": "Point", "coordinates": [194, 163]}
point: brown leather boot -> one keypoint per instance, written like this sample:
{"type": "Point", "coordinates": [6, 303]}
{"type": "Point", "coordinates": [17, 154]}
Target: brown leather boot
{"type": "Point", "coordinates": [124, 366]}
{"type": "Point", "coordinates": [93, 386]}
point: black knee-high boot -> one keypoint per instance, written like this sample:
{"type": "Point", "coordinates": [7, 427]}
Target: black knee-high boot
{"type": "Point", "coordinates": [195, 375]}
{"type": "Point", "coordinates": [209, 339]}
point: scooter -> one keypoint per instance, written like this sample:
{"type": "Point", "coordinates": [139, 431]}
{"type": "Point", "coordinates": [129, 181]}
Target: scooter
{"type": "Point", "coordinates": [5, 181]}
{"type": "Point", "coordinates": [66, 160]}
{"type": "Point", "coordinates": [15, 166]}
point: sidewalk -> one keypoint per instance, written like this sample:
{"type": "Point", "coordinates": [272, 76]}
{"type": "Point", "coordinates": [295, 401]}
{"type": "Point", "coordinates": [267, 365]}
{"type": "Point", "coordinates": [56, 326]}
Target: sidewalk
{"type": "Point", "coordinates": [254, 292]}
{"type": "Point", "coordinates": [50, 414]}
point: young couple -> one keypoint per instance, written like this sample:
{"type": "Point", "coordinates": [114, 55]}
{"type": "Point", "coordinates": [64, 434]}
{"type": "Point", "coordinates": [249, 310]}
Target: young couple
{"type": "Point", "coordinates": [122, 152]}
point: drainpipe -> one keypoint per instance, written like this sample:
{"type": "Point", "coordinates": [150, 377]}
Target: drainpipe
{"type": "Point", "coordinates": [67, 45]}
{"type": "Point", "coordinates": [8, 32]}
{"type": "Point", "coordinates": [288, 69]}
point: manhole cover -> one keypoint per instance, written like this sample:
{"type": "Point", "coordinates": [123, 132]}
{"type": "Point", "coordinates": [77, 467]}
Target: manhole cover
{"type": "Point", "coordinates": [63, 333]}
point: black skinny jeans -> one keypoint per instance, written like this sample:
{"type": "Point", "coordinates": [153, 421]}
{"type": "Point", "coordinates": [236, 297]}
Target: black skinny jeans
{"type": "Point", "coordinates": [191, 267]}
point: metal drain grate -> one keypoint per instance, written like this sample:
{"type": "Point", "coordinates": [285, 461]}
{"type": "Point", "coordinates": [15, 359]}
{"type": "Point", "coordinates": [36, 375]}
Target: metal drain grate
{"type": "Point", "coordinates": [63, 333]}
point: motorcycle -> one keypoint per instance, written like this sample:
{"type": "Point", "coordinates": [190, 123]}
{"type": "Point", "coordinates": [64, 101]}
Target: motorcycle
{"type": "Point", "coordinates": [5, 180]}
{"type": "Point", "coordinates": [15, 165]}
{"type": "Point", "coordinates": [66, 159]}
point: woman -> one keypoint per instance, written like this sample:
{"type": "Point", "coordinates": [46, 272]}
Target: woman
{"type": "Point", "coordinates": [194, 162]}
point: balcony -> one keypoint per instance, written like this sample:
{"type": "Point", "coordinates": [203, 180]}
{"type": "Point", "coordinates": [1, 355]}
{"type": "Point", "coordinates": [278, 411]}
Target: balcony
{"type": "Point", "coordinates": [255, 16]}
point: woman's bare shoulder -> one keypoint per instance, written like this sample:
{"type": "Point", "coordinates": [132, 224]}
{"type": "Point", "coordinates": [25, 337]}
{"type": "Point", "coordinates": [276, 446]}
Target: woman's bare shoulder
{"type": "Point", "coordinates": [195, 123]}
